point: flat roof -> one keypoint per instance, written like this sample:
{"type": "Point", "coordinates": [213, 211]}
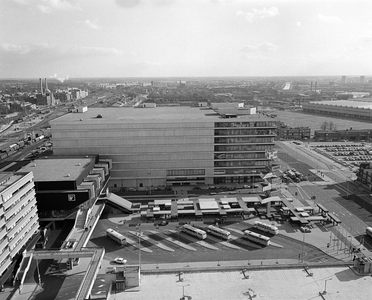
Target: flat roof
{"type": "Point", "coordinates": [57, 169]}
{"type": "Point", "coordinates": [148, 115]}
{"type": "Point", "coordinates": [346, 103]}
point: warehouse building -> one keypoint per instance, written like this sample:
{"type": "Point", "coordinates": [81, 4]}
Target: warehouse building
{"type": "Point", "coordinates": [164, 146]}
{"type": "Point", "coordinates": [359, 109]}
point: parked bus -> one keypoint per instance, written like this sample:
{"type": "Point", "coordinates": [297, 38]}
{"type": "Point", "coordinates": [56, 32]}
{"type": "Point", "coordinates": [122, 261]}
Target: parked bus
{"type": "Point", "coordinates": [369, 231]}
{"type": "Point", "coordinates": [224, 234]}
{"type": "Point", "coordinates": [116, 236]}
{"type": "Point", "coordinates": [201, 234]}
{"type": "Point", "coordinates": [255, 237]}
{"type": "Point", "coordinates": [266, 227]}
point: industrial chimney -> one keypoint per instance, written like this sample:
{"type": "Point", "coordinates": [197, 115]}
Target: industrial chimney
{"type": "Point", "coordinates": [41, 86]}
{"type": "Point", "coordinates": [46, 87]}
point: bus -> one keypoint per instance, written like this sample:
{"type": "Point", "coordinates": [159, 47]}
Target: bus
{"type": "Point", "coordinates": [266, 227]}
{"type": "Point", "coordinates": [116, 236]}
{"type": "Point", "coordinates": [369, 231]}
{"type": "Point", "coordinates": [224, 234]}
{"type": "Point", "coordinates": [201, 234]}
{"type": "Point", "coordinates": [258, 238]}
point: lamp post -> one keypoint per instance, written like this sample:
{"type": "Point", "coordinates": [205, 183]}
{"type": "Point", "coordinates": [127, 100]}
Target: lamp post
{"type": "Point", "coordinates": [183, 291]}
{"type": "Point", "coordinates": [139, 234]}
{"type": "Point", "coordinates": [325, 285]}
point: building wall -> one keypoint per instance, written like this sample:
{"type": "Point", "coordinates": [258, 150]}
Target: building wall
{"type": "Point", "coordinates": [18, 216]}
{"type": "Point", "coordinates": [141, 152]}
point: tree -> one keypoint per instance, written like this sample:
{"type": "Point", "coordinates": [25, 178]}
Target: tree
{"type": "Point", "coordinates": [331, 126]}
{"type": "Point", "coordinates": [324, 125]}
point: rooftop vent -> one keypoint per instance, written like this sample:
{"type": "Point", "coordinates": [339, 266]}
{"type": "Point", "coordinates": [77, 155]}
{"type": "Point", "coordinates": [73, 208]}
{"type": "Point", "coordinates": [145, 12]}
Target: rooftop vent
{"type": "Point", "coordinates": [99, 116]}
{"type": "Point", "coordinates": [34, 165]}
{"type": "Point", "coordinates": [68, 175]}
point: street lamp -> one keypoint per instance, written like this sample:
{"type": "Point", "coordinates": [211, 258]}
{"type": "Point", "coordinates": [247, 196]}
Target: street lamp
{"type": "Point", "coordinates": [325, 285]}
{"type": "Point", "coordinates": [139, 234]}
{"type": "Point", "coordinates": [183, 291]}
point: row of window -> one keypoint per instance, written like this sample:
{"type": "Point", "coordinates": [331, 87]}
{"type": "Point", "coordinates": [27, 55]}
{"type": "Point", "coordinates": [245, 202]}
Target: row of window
{"type": "Point", "coordinates": [186, 172]}
{"type": "Point", "coordinates": [247, 124]}
{"type": "Point", "coordinates": [244, 163]}
{"type": "Point", "coordinates": [249, 155]}
{"type": "Point", "coordinates": [16, 213]}
{"type": "Point", "coordinates": [24, 224]}
{"type": "Point", "coordinates": [229, 148]}
{"type": "Point", "coordinates": [233, 132]}
{"type": "Point", "coordinates": [25, 233]}
{"type": "Point", "coordinates": [237, 171]}
{"type": "Point", "coordinates": [236, 140]}
{"type": "Point", "coordinates": [19, 199]}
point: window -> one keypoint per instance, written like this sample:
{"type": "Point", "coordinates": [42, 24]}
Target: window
{"type": "Point", "coordinates": [186, 172]}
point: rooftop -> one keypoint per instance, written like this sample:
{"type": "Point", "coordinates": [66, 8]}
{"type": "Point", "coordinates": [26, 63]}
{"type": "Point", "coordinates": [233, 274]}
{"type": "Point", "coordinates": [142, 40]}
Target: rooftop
{"type": "Point", "coordinates": [131, 114]}
{"type": "Point", "coordinates": [346, 103]}
{"type": "Point", "coordinates": [66, 169]}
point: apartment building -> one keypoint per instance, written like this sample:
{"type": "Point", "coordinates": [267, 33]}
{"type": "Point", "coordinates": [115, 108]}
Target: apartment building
{"type": "Point", "coordinates": [19, 223]}
{"type": "Point", "coordinates": [163, 146]}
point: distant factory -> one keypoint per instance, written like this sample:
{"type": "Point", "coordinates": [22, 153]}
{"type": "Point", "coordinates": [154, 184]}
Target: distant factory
{"type": "Point", "coordinates": [45, 96]}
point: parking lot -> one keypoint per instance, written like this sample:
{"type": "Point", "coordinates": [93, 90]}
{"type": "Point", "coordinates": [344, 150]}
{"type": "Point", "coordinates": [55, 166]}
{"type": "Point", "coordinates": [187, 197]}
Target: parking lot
{"type": "Point", "coordinates": [350, 155]}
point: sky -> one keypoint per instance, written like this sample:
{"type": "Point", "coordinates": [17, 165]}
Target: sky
{"type": "Point", "coordinates": [184, 38]}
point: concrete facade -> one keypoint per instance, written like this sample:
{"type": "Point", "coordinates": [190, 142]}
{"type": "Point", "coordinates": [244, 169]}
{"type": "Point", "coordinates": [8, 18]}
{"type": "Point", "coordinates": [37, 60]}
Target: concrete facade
{"type": "Point", "coordinates": [169, 145]}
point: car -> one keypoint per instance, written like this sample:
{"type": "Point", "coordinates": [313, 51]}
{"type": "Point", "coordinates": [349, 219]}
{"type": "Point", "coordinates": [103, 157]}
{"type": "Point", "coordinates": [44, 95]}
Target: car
{"type": "Point", "coordinates": [120, 260]}
{"type": "Point", "coordinates": [305, 229]}
{"type": "Point", "coordinates": [247, 186]}
{"type": "Point", "coordinates": [163, 223]}
{"type": "Point", "coordinates": [196, 188]}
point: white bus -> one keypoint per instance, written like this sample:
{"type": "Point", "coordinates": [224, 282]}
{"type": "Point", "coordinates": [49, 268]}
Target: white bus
{"type": "Point", "coordinates": [201, 234]}
{"type": "Point", "coordinates": [266, 227]}
{"type": "Point", "coordinates": [218, 232]}
{"type": "Point", "coordinates": [255, 237]}
{"type": "Point", "coordinates": [369, 231]}
{"type": "Point", "coordinates": [116, 236]}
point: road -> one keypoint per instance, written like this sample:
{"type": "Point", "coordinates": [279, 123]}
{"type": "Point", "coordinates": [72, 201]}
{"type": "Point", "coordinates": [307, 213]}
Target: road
{"type": "Point", "coordinates": [343, 197]}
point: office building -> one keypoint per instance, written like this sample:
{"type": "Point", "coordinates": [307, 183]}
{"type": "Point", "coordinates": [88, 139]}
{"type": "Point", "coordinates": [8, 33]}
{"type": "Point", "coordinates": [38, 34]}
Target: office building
{"type": "Point", "coordinates": [19, 223]}
{"type": "Point", "coordinates": [362, 79]}
{"type": "Point", "coordinates": [293, 133]}
{"type": "Point", "coordinates": [343, 79]}
{"type": "Point", "coordinates": [164, 146]}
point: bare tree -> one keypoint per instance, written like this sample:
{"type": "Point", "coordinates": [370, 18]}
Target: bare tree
{"type": "Point", "coordinates": [324, 125]}
{"type": "Point", "coordinates": [331, 126]}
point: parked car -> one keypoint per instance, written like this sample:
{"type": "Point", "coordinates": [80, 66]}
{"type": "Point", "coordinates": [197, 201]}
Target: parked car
{"type": "Point", "coordinates": [305, 229]}
{"type": "Point", "coordinates": [120, 260]}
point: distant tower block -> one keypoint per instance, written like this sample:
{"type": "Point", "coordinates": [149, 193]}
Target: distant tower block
{"type": "Point", "coordinates": [311, 86]}
{"type": "Point", "coordinates": [343, 79]}
{"type": "Point", "coordinates": [362, 79]}
{"type": "Point", "coordinates": [316, 83]}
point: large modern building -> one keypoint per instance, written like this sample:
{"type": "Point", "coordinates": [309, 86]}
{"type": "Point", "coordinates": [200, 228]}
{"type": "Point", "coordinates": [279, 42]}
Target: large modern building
{"type": "Point", "coordinates": [19, 222]}
{"type": "Point", "coordinates": [169, 145]}
{"type": "Point", "coordinates": [356, 109]}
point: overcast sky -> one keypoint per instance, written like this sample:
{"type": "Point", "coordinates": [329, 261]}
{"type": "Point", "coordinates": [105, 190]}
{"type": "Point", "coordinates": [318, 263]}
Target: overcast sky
{"type": "Point", "coordinates": [148, 38]}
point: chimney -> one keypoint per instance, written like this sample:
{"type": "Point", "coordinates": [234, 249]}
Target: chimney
{"type": "Point", "coordinates": [41, 86]}
{"type": "Point", "coordinates": [46, 86]}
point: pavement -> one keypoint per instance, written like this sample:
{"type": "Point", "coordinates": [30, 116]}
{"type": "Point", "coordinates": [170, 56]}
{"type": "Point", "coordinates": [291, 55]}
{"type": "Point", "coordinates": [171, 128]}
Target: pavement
{"type": "Point", "coordinates": [203, 280]}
